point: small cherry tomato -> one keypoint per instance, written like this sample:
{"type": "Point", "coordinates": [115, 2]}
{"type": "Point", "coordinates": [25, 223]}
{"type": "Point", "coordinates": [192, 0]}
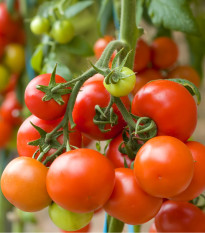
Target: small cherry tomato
{"type": "Point", "coordinates": [84, 229]}
{"type": "Point", "coordinates": [164, 166]}
{"type": "Point", "coordinates": [40, 25]}
{"type": "Point", "coordinates": [5, 132]}
{"type": "Point", "coordinates": [23, 183]}
{"type": "Point", "coordinates": [101, 44]}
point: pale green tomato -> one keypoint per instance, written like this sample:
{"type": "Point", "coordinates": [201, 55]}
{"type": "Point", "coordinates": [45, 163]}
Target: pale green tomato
{"type": "Point", "coordinates": [40, 25]}
{"type": "Point", "coordinates": [4, 77]}
{"type": "Point", "coordinates": [67, 220]}
{"type": "Point", "coordinates": [124, 86]}
{"type": "Point", "coordinates": [62, 31]}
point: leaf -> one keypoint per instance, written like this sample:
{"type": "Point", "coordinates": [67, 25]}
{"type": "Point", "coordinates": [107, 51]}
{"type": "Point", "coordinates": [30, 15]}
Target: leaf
{"type": "Point", "coordinates": [10, 5]}
{"type": "Point", "coordinates": [139, 11]}
{"type": "Point", "coordinates": [79, 46]}
{"type": "Point", "coordinates": [37, 58]}
{"type": "Point", "coordinates": [174, 14]}
{"type": "Point", "coordinates": [77, 8]}
{"type": "Point", "coordinates": [45, 9]}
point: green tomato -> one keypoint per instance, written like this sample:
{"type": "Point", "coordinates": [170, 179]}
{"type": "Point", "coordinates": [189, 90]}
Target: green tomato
{"type": "Point", "coordinates": [67, 220]}
{"type": "Point", "coordinates": [40, 25]}
{"type": "Point", "coordinates": [62, 31]}
{"type": "Point", "coordinates": [4, 77]}
{"type": "Point", "coordinates": [124, 86]}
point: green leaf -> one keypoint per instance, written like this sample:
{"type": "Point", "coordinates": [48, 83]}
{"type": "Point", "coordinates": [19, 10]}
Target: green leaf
{"type": "Point", "coordinates": [139, 11]}
{"type": "Point", "coordinates": [173, 14]}
{"type": "Point", "coordinates": [10, 6]}
{"type": "Point", "coordinates": [37, 58]}
{"type": "Point", "coordinates": [79, 46]}
{"type": "Point", "coordinates": [77, 8]}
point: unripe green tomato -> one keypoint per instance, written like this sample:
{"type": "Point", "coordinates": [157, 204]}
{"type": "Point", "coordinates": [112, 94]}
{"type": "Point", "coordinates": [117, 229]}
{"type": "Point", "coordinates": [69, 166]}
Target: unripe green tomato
{"type": "Point", "coordinates": [124, 86]}
{"type": "Point", "coordinates": [67, 220]}
{"type": "Point", "coordinates": [40, 25]}
{"type": "Point", "coordinates": [62, 31]}
{"type": "Point", "coordinates": [4, 77]}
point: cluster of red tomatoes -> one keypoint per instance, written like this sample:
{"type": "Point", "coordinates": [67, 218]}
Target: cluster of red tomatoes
{"type": "Point", "coordinates": [12, 63]}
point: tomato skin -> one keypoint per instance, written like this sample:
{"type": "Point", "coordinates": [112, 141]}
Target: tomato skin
{"type": "Point", "coordinates": [144, 77]}
{"type": "Point", "coordinates": [142, 56]}
{"type": "Point", "coordinates": [27, 133]}
{"type": "Point", "coordinates": [128, 202]}
{"type": "Point", "coordinates": [94, 93]}
{"type": "Point", "coordinates": [40, 25]}
{"type": "Point", "coordinates": [34, 102]}
{"type": "Point", "coordinates": [185, 72]}
{"type": "Point", "coordinates": [197, 185]}
{"type": "Point", "coordinates": [89, 179]}
{"type": "Point", "coordinates": [164, 166]}
{"type": "Point", "coordinates": [101, 44]}
{"type": "Point", "coordinates": [5, 132]}
{"type": "Point", "coordinates": [67, 220]}
{"type": "Point", "coordinates": [23, 183]}
{"type": "Point", "coordinates": [10, 109]}
{"type": "Point", "coordinates": [180, 217]}
{"type": "Point", "coordinates": [84, 229]}
{"type": "Point", "coordinates": [164, 52]}
{"type": "Point", "coordinates": [113, 154]}
{"type": "Point", "coordinates": [124, 86]}
{"type": "Point", "coordinates": [177, 114]}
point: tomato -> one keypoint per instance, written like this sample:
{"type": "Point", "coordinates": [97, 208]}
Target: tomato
{"type": "Point", "coordinates": [23, 183]}
{"type": "Point", "coordinates": [164, 166]}
{"type": "Point", "coordinates": [3, 44]}
{"type": "Point", "coordinates": [13, 79]}
{"type": "Point", "coordinates": [27, 133]}
{"type": "Point", "coordinates": [94, 93]}
{"type": "Point", "coordinates": [197, 185]}
{"type": "Point", "coordinates": [164, 52]}
{"type": "Point", "coordinates": [5, 132]}
{"type": "Point", "coordinates": [128, 202]}
{"type": "Point", "coordinates": [40, 25]}
{"type": "Point", "coordinates": [84, 229]}
{"type": "Point", "coordinates": [153, 229]}
{"type": "Point", "coordinates": [4, 74]}
{"type": "Point", "coordinates": [142, 56]}
{"type": "Point", "coordinates": [180, 217]}
{"type": "Point", "coordinates": [10, 109]}
{"type": "Point", "coordinates": [86, 141]}
{"type": "Point", "coordinates": [67, 220]}
{"type": "Point", "coordinates": [144, 77]}
{"type": "Point", "coordinates": [124, 86]}
{"type": "Point", "coordinates": [185, 72]}
{"type": "Point", "coordinates": [62, 31]}
{"type": "Point", "coordinates": [170, 105]}
{"type": "Point", "coordinates": [114, 155]}
{"type": "Point", "coordinates": [101, 44]}
{"type": "Point", "coordinates": [89, 179]}
{"type": "Point", "coordinates": [46, 110]}
{"type": "Point", "coordinates": [14, 58]}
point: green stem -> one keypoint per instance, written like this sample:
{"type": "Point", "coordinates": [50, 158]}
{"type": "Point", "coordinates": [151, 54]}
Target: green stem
{"type": "Point", "coordinates": [128, 29]}
{"type": "Point", "coordinates": [17, 226]}
{"type": "Point", "coordinates": [115, 225]}
{"type": "Point", "coordinates": [109, 105]}
{"type": "Point", "coordinates": [51, 157]}
{"type": "Point", "coordinates": [43, 153]}
{"type": "Point", "coordinates": [137, 228]}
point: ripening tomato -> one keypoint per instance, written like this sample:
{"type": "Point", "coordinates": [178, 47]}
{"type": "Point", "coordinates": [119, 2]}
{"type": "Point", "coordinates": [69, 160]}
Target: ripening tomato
{"type": "Point", "coordinates": [23, 183]}
{"type": "Point", "coordinates": [185, 72]}
{"type": "Point", "coordinates": [4, 81]}
{"type": "Point", "coordinates": [164, 166]}
{"type": "Point", "coordinates": [67, 220]}
{"type": "Point", "coordinates": [197, 185]}
{"type": "Point", "coordinates": [5, 132]}
{"type": "Point", "coordinates": [180, 217]}
{"type": "Point", "coordinates": [10, 109]}
{"type": "Point", "coordinates": [164, 52]}
{"type": "Point", "coordinates": [27, 133]}
{"type": "Point", "coordinates": [46, 110]}
{"type": "Point", "coordinates": [94, 93]}
{"type": "Point", "coordinates": [13, 79]}
{"type": "Point", "coordinates": [81, 180]}
{"type": "Point", "coordinates": [142, 56]}
{"type": "Point", "coordinates": [144, 77]}
{"type": "Point", "coordinates": [40, 25]}
{"type": "Point", "coordinates": [170, 105]}
{"type": "Point", "coordinates": [128, 202]}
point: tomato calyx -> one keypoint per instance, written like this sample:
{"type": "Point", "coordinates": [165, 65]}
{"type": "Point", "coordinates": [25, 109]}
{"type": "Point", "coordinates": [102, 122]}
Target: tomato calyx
{"type": "Point", "coordinates": [53, 94]}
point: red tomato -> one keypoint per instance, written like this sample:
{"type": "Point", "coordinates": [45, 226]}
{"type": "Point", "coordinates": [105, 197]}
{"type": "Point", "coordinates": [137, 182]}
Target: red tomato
{"type": "Point", "coordinates": [115, 156]}
{"type": "Point", "coordinates": [153, 229]}
{"type": "Point", "coordinates": [144, 77]}
{"type": "Point", "coordinates": [27, 133]}
{"type": "Point", "coordinates": [180, 217]}
{"type": "Point", "coordinates": [89, 179]}
{"type": "Point", "coordinates": [5, 132]}
{"type": "Point", "coordinates": [23, 183]}
{"type": "Point", "coordinates": [10, 109]}
{"type": "Point", "coordinates": [164, 166]}
{"type": "Point", "coordinates": [164, 52]}
{"type": "Point", "coordinates": [170, 105]}
{"type": "Point", "coordinates": [101, 44]}
{"type": "Point", "coordinates": [94, 93]}
{"type": "Point", "coordinates": [128, 202]}
{"type": "Point", "coordinates": [197, 185]}
{"type": "Point", "coordinates": [185, 72]}
{"type": "Point", "coordinates": [142, 56]}
{"type": "Point", "coordinates": [86, 141]}
{"type": "Point", "coordinates": [46, 110]}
